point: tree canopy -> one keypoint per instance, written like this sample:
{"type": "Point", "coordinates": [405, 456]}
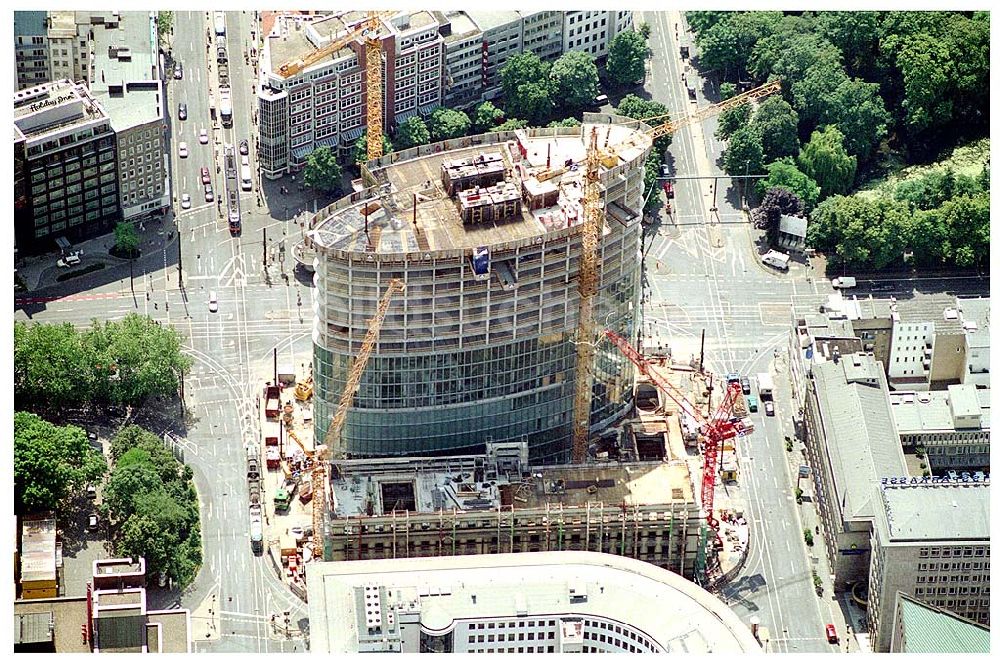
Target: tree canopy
{"type": "Point", "coordinates": [511, 124]}
{"type": "Point", "coordinates": [777, 123]}
{"type": "Point", "coordinates": [486, 117]}
{"type": "Point", "coordinates": [533, 102]}
{"type": "Point", "coordinates": [412, 132]}
{"type": "Point", "coordinates": [574, 79]}
{"type": "Point", "coordinates": [361, 147]}
{"type": "Point", "coordinates": [445, 123]}
{"type": "Point", "coordinates": [744, 154]}
{"type": "Point", "coordinates": [126, 238]}
{"type": "Point", "coordinates": [51, 463]}
{"type": "Point", "coordinates": [322, 170]}
{"type": "Point", "coordinates": [861, 231]}
{"type": "Point", "coordinates": [153, 506]}
{"type": "Point", "coordinates": [520, 69]}
{"type": "Point", "coordinates": [650, 112]}
{"type": "Point", "coordinates": [627, 57]}
{"type": "Point", "coordinates": [825, 160]}
{"type": "Point", "coordinates": [784, 174]}
{"type": "Point", "coordinates": [777, 202]}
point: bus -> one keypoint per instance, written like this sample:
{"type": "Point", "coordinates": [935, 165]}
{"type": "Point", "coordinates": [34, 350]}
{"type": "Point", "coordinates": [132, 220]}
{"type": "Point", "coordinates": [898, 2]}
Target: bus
{"type": "Point", "coordinates": [220, 23]}
{"type": "Point", "coordinates": [226, 107]}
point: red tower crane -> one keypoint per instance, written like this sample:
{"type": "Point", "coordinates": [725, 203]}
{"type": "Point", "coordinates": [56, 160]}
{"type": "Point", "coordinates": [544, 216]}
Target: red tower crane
{"type": "Point", "coordinates": [714, 431]}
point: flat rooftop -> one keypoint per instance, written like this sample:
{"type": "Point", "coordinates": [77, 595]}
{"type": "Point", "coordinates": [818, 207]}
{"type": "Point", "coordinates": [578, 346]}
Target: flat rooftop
{"type": "Point", "coordinates": [461, 26]}
{"type": "Point", "coordinates": [934, 411]}
{"type": "Point", "coordinates": [937, 511]}
{"type": "Point", "coordinates": [445, 591]}
{"type": "Point", "coordinates": [288, 41]}
{"type": "Point", "coordinates": [490, 20]}
{"type": "Point", "coordinates": [45, 108]}
{"type": "Point", "coordinates": [438, 223]}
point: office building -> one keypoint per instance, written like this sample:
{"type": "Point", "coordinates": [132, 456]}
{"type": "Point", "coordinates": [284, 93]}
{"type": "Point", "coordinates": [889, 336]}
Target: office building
{"type": "Point", "coordinates": [127, 83]}
{"type": "Point", "coordinates": [481, 344]}
{"type": "Point", "coordinates": [65, 167]}
{"type": "Point", "coordinates": [921, 628]}
{"type": "Point", "coordinates": [592, 31]}
{"type": "Point", "coordinates": [112, 617]}
{"type": "Point", "coordinates": [975, 317]}
{"type": "Point", "coordinates": [952, 428]}
{"type": "Point", "coordinates": [851, 443]}
{"type": "Point", "coordinates": [931, 540]}
{"type": "Point", "coordinates": [498, 503]}
{"type": "Point", "coordinates": [323, 104]}
{"type": "Point", "coordinates": [522, 603]}
{"type": "Point", "coordinates": [31, 49]}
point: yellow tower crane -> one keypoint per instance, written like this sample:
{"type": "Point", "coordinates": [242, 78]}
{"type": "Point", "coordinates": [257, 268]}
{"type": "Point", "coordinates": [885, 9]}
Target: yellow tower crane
{"type": "Point", "coordinates": [591, 231]}
{"type": "Point", "coordinates": [332, 446]}
{"type": "Point", "coordinates": [368, 31]}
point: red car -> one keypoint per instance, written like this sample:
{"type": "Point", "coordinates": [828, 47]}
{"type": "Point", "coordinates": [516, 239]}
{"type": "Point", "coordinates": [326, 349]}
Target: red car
{"type": "Point", "coordinates": [205, 177]}
{"type": "Point", "coordinates": [831, 634]}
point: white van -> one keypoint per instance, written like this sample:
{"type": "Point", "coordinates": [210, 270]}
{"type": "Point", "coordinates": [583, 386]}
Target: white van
{"type": "Point", "coordinates": [245, 178]}
{"type": "Point", "coordinates": [844, 282]}
{"type": "Point", "coordinates": [776, 259]}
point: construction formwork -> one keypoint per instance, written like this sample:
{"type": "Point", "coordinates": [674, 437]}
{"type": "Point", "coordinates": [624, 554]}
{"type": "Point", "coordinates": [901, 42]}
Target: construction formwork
{"type": "Point", "coordinates": [664, 535]}
{"type": "Point", "coordinates": [482, 170]}
{"type": "Point", "coordinates": [498, 202]}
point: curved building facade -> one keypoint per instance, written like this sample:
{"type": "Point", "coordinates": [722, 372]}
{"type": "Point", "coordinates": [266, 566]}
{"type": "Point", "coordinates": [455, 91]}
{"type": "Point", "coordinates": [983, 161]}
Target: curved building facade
{"type": "Point", "coordinates": [522, 603]}
{"type": "Point", "coordinates": [481, 344]}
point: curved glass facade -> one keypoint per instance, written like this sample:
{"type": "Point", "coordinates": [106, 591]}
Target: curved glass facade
{"type": "Point", "coordinates": [464, 357]}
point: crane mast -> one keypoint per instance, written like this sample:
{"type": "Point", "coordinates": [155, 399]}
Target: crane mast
{"type": "Point", "coordinates": [593, 224]}
{"type": "Point", "coordinates": [332, 442]}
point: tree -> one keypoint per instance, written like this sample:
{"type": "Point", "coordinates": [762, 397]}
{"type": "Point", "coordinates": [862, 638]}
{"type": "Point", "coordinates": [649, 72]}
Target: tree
{"type": "Point", "coordinates": [967, 220]}
{"type": "Point", "coordinates": [51, 463]}
{"type": "Point", "coordinates": [574, 79]}
{"type": "Point", "coordinates": [361, 147]}
{"type": "Point", "coordinates": [731, 120]}
{"type": "Point", "coordinates": [448, 123]}
{"type": "Point", "coordinates": [651, 186]}
{"type": "Point", "coordinates": [412, 132]}
{"type": "Point", "coordinates": [136, 359]}
{"type": "Point", "coordinates": [511, 124]}
{"type": "Point", "coordinates": [744, 154]}
{"type": "Point", "coordinates": [565, 122]}
{"type": "Point", "coordinates": [825, 160]}
{"type": "Point", "coordinates": [644, 29]}
{"type": "Point", "coordinates": [777, 123]}
{"type": "Point", "coordinates": [857, 109]}
{"type": "Point", "coordinates": [322, 170]}
{"type": "Point", "coordinates": [861, 231]}
{"type": "Point", "coordinates": [521, 69]}
{"type": "Point", "coordinates": [627, 58]}
{"type": "Point", "coordinates": [650, 112]}
{"type": "Point", "coordinates": [783, 173]}
{"type": "Point", "coordinates": [789, 55]}
{"type": "Point", "coordinates": [727, 45]}
{"type": "Point", "coordinates": [533, 101]}
{"type": "Point", "coordinates": [164, 24]}
{"type": "Point", "coordinates": [856, 34]}
{"type": "Point", "coordinates": [486, 117]}
{"type": "Point", "coordinates": [701, 21]}
{"type": "Point", "coordinates": [928, 68]}
{"type": "Point", "coordinates": [727, 90]}
{"type": "Point", "coordinates": [51, 366]}
{"type": "Point", "coordinates": [777, 202]}
{"type": "Point", "coordinates": [126, 239]}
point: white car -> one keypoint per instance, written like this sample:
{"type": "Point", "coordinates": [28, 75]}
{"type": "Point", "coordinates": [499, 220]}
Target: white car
{"type": "Point", "coordinates": [71, 259]}
{"type": "Point", "coordinates": [182, 149]}
{"type": "Point", "coordinates": [213, 302]}
{"type": "Point", "coordinates": [203, 136]}
{"type": "Point", "coordinates": [185, 201]}
{"type": "Point", "coordinates": [245, 160]}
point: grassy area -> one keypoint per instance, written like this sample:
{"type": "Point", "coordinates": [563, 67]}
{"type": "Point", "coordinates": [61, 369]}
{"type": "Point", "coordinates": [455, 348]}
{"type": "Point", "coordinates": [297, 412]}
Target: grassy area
{"type": "Point", "coordinates": [968, 160]}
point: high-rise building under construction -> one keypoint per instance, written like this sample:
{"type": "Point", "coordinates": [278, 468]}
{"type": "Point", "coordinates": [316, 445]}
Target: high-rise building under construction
{"type": "Point", "coordinates": [481, 345]}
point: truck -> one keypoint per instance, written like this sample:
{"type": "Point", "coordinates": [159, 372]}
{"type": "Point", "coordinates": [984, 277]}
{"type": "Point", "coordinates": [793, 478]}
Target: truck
{"type": "Point", "coordinates": [845, 282]}
{"type": "Point", "coordinates": [776, 259]}
{"type": "Point", "coordinates": [272, 452]}
{"type": "Point", "coordinates": [224, 75]}
{"type": "Point", "coordinates": [272, 401]}
{"type": "Point", "coordinates": [220, 23]}
{"type": "Point", "coordinates": [246, 178]}
{"type": "Point", "coordinates": [256, 531]}
{"type": "Point", "coordinates": [765, 386]}
{"type": "Point", "coordinates": [282, 500]}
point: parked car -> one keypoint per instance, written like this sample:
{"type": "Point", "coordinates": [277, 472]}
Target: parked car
{"type": "Point", "coordinates": [831, 634]}
{"type": "Point", "coordinates": [71, 259]}
{"type": "Point", "coordinates": [752, 403]}
{"type": "Point", "coordinates": [844, 282]}
{"type": "Point", "coordinates": [92, 522]}
{"type": "Point", "coordinates": [209, 194]}
{"type": "Point", "coordinates": [732, 378]}
{"type": "Point", "coordinates": [244, 147]}
{"type": "Point", "coordinates": [203, 136]}
{"type": "Point", "coordinates": [769, 408]}
{"type": "Point", "coordinates": [745, 385]}
{"type": "Point", "coordinates": [206, 177]}
{"type": "Point", "coordinates": [178, 71]}
{"type": "Point", "coordinates": [213, 302]}
{"type": "Point", "coordinates": [185, 201]}
{"type": "Point", "coordinates": [182, 111]}
{"type": "Point", "coordinates": [182, 149]}
{"type": "Point", "coordinates": [245, 161]}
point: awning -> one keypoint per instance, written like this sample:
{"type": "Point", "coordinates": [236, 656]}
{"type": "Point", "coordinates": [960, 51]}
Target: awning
{"type": "Point", "coordinates": [63, 243]}
{"type": "Point", "coordinates": [400, 117]}
{"type": "Point", "coordinates": [301, 152]}
{"type": "Point", "coordinates": [352, 135]}
{"type": "Point", "coordinates": [327, 141]}
{"type": "Point", "coordinates": [426, 109]}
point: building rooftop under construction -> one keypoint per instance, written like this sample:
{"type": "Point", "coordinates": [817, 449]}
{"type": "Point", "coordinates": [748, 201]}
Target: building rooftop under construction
{"type": "Point", "coordinates": [484, 232]}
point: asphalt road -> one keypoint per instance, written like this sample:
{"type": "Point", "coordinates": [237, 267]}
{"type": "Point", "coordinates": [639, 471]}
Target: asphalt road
{"type": "Point", "coordinates": [702, 275]}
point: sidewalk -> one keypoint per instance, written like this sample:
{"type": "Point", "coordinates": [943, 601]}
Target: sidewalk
{"type": "Point", "coordinates": [40, 272]}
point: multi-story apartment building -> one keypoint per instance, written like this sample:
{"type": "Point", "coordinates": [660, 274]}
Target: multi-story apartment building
{"type": "Point", "coordinates": [500, 35]}
{"type": "Point", "coordinates": [324, 104]}
{"type": "Point", "coordinates": [851, 443]}
{"type": "Point", "coordinates": [931, 540]}
{"type": "Point", "coordinates": [128, 84]}
{"type": "Point", "coordinates": [521, 603]}
{"type": "Point", "coordinates": [952, 427]}
{"type": "Point", "coordinates": [543, 33]}
{"type": "Point", "coordinates": [498, 503]}
{"type": "Point", "coordinates": [69, 176]}
{"type": "Point", "coordinates": [592, 31]}
{"type": "Point", "coordinates": [31, 49]}
{"type": "Point", "coordinates": [463, 65]}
